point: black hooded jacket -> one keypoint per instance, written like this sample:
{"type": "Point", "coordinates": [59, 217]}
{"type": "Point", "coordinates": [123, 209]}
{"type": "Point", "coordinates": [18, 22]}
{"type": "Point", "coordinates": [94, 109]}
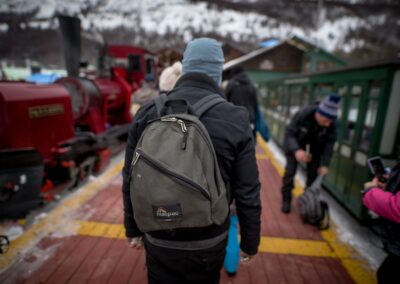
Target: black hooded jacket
{"type": "Point", "coordinates": [303, 129]}
{"type": "Point", "coordinates": [232, 139]}
{"type": "Point", "coordinates": [241, 92]}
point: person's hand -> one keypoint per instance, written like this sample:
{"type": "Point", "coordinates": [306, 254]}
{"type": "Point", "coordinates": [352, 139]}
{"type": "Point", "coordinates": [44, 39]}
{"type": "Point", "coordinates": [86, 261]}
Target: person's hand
{"type": "Point", "coordinates": [382, 184]}
{"type": "Point", "coordinates": [323, 171]}
{"type": "Point", "coordinates": [372, 183]}
{"type": "Point", "coordinates": [376, 183]}
{"type": "Point", "coordinates": [302, 156]}
{"type": "Point", "coordinates": [245, 258]}
{"type": "Point", "coordinates": [136, 242]}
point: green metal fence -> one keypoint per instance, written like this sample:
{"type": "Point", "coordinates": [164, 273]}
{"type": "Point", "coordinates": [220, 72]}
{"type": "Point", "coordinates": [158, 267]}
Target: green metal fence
{"type": "Point", "coordinates": [368, 120]}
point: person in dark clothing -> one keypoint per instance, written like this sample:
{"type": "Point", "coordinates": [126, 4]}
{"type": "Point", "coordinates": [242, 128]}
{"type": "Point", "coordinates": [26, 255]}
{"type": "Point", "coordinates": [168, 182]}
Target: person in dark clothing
{"type": "Point", "coordinates": [384, 200]}
{"type": "Point", "coordinates": [241, 92]}
{"type": "Point", "coordinates": [232, 139]}
{"type": "Point", "coordinates": [309, 138]}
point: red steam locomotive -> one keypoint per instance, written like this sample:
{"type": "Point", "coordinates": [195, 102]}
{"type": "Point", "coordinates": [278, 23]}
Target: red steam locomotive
{"type": "Point", "coordinates": [53, 136]}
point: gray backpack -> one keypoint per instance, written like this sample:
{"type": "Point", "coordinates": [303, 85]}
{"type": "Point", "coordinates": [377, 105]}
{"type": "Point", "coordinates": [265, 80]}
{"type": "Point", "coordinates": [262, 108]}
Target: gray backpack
{"type": "Point", "coordinates": [312, 209]}
{"type": "Point", "coordinates": [175, 178]}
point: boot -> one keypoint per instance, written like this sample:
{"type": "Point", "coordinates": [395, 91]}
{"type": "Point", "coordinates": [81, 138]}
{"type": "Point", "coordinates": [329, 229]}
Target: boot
{"type": "Point", "coordinates": [286, 206]}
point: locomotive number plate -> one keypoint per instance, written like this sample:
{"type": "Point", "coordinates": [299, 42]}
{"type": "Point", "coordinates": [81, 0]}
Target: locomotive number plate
{"type": "Point", "coordinates": [46, 110]}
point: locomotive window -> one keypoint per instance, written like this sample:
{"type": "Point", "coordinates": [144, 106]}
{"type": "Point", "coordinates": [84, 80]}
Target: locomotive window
{"type": "Point", "coordinates": [351, 120]}
{"type": "Point", "coordinates": [120, 62]}
{"type": "Point", "coordinates": [149, 69]}
{"type": "Point", "coordinates": [134, 63]}
{"type": "Point", "coordinates": [369, 124]}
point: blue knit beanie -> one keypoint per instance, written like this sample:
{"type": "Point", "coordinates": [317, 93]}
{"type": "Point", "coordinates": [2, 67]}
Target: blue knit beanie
{"type": "Point", "coordinates": [329, 106]}
{"type": "Point", "coordinates": [204, 55]}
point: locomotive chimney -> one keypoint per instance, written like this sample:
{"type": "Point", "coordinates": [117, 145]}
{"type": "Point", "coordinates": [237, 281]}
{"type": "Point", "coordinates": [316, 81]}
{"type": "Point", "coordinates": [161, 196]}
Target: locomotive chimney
{"type": "Point", "coordinates": [70, 28]}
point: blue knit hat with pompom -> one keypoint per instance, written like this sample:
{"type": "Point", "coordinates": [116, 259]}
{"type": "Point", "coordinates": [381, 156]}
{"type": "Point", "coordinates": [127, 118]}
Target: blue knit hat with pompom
{"type": "Point", "coordinates": [329, 106]}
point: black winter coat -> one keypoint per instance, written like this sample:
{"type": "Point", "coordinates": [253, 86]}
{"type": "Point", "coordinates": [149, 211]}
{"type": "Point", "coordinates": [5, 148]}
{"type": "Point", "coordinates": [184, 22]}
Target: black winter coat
{"type": "Point", "coordinates": [241, 92]}
{"type": "Point", "coordinates": [304, 129]}
{"type": "Point", "coordinates": [232, 139]}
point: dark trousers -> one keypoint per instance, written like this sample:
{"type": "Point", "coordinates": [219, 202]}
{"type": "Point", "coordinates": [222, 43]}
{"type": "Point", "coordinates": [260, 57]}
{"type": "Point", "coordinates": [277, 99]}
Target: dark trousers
{"type": "Point", "coordinates": [290, 172]}
{"type": "Point", "coordinates": [388, 272]}
{"type": "Point", "coordinates": [171, 266]}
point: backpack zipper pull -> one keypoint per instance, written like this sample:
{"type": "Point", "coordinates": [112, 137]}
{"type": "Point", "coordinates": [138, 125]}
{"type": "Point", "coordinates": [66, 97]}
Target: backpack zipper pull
{"type": "Point", "coordinates": [135, 159]}
{"type": "Point", "coordinates": [132, 164]}
{"type": "Point", "coordinates": [185, 134]}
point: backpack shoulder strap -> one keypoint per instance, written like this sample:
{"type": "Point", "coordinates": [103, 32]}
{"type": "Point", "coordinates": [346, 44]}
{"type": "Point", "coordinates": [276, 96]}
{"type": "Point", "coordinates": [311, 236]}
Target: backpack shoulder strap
{"type": "Point", "coordinates": [206, 103]}
{"type": "Point", "coordinates": [159, 102]}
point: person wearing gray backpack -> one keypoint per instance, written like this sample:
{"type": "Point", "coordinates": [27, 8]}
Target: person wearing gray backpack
{"type": "Point", "coordinates": [190, 154]}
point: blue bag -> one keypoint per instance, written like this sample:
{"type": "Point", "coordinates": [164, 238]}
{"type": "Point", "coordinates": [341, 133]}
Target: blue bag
{"type": "Point", "coordinates": [232, 257]}
{"type": "Point", "coordinates": [261, 127]}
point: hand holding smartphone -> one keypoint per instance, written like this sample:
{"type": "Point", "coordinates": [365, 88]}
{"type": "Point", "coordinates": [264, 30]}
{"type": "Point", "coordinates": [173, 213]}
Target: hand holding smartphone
{"type": "Point", "coordinates": [377, 168]}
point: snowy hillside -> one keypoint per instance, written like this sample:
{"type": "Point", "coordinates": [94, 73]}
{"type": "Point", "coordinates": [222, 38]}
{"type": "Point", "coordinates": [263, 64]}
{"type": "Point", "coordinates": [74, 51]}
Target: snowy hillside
{"type": "Point", "coordinates": [158, 17]}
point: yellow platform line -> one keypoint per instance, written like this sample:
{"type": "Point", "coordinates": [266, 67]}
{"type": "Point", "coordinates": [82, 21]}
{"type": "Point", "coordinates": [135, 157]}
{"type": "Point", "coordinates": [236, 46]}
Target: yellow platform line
{"type": "Point", "coordinates": [357, 267]}
{"type": "Point", "coordinates": [267, 244]}
{"type": "Point", "coordinates": [54, 220]}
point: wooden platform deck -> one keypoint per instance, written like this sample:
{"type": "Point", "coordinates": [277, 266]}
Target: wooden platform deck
{"type": "Point", "coordinates": [83, 241]}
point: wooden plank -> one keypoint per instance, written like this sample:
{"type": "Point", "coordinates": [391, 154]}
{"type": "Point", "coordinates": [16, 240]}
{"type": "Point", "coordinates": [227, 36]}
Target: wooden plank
{"type": "Point", "coordinates": [269, 221]}
{"type": "Point", "coordinates": [139, 273]}
{"type": "Point", "coordinates": [256, 270]}
{"type": "Point", "coordinates": [57, 260]}
{"type": "Point", "coordinates": [71, 264]}
{"type": "Point", "coordinates": [90, 263]}
{"type": "Point", "coordinates": [274, 269]}
{"type": "Point", "coordinates": [274, 201]}
{"type": "Point", "coordinates": [94, 204]}
{"type": "Point", "coordinates": [298, 228]}
{"type": "Point", "coordinates": [307, 270]}
{"type": "Point", "coordinates": [108, 262]}
{"type": "Point", "coordinates": [114, 211]}
{"type": "Point", "coordinates": [109, 199]}
{"type": "Point", "coordinates": [125, 266]}
{"type": "Point", "coordinates": [291, 270]}
{"type": "Point", "coordinates": [324, 270]}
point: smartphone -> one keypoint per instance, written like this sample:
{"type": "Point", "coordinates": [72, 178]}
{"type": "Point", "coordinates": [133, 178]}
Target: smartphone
{"type": "Point", "coordinates": [377, 168]}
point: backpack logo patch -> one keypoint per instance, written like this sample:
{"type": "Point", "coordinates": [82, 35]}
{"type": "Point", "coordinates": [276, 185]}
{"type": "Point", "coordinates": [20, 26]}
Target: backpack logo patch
{"type": "Point", "coordinates": [167, 212]}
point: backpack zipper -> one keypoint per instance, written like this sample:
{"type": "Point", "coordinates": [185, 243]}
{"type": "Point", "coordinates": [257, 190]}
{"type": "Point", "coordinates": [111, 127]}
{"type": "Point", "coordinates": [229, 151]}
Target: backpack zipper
{"type": "Point", "coordinates": [210, 146]}
{"type": "Point", "coordinates": [178, 178]}
{"type": "Point", "coordinates": [200, 130]}
{"type": "Point", "coordinates": [183, 128]}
